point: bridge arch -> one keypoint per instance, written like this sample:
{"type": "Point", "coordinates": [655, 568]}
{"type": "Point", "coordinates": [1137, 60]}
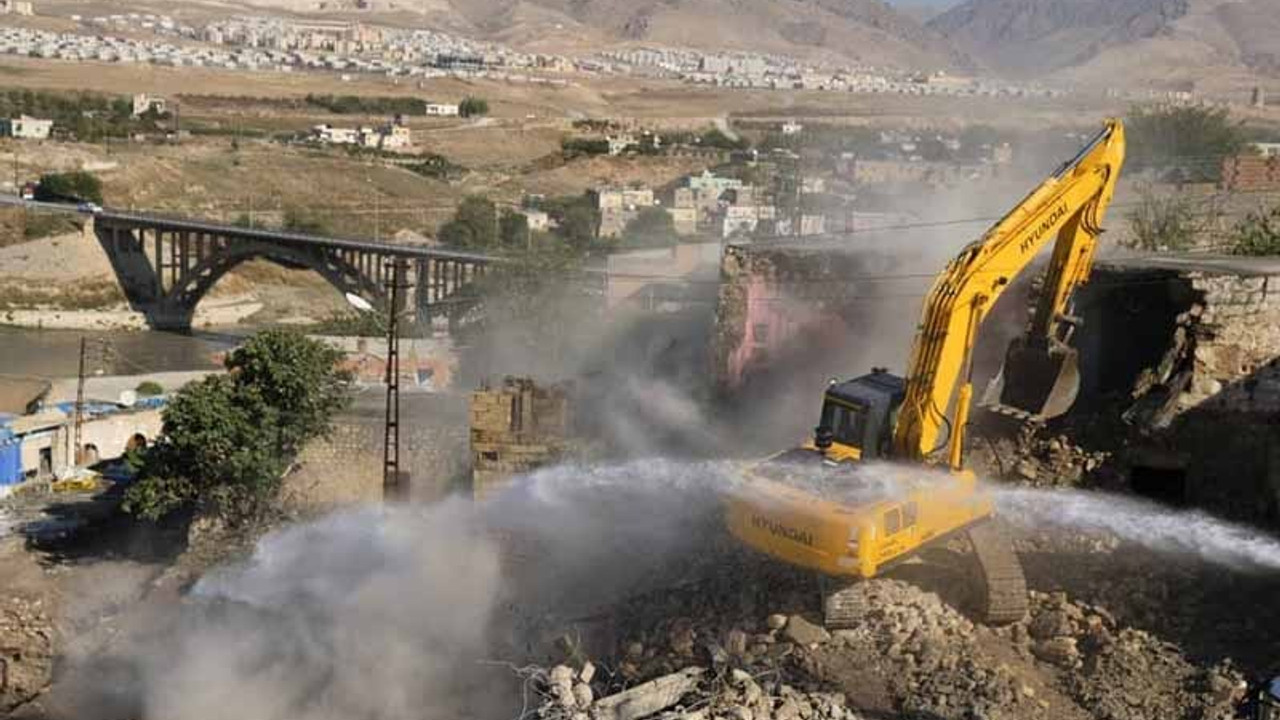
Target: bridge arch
{"type": "Point", "coordinates": [166, 266]}
{"type": "Point", "coordinates": [339, 272]}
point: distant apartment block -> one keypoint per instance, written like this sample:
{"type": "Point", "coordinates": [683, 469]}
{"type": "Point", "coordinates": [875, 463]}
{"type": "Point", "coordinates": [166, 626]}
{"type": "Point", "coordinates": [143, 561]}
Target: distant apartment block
{"type": "Point", "coordinates": [685, 220]}
{"type": "Point", "coordinates": [740, 220]}
{"type": "Point", "coordinates": [17, 7]}
{"type": "Point", "coordinates": [709, 182]}
{"type": "Point", "coordinates": [618, 207]}
{"type": "Point", "coordinates": [26, 128]}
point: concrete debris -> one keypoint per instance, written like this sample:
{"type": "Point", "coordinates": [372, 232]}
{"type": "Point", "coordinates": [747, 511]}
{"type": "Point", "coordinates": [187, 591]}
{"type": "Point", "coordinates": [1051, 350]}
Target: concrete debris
{"type": "Point", "coordinates": [805, 633]}
{"type": "Point", "coordinates": [647, 699]}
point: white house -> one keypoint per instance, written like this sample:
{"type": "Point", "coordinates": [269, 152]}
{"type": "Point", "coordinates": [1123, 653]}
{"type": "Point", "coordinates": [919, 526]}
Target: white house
{"type": "Point", "coordinates": [442, 110]}
{"type": "Point", "coordinates": [334, 135]}
{"type": "Point", "coordinates": [1267, 149]}
{"type": "Point", "coordinates": [26, 128]}
{"type": "Point", "coordinates": [143, 103]}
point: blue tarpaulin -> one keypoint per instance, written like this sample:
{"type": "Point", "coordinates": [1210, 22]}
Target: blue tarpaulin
{"type": "Point", "coordinates": [10, 457]}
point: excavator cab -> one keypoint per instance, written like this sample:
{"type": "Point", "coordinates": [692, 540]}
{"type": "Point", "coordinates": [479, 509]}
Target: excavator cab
{"type": "Point", "coordinates": [858, 416]}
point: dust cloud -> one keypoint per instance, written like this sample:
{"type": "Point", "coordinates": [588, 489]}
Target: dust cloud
{"type": "Point", "coordinates": [406, 611]}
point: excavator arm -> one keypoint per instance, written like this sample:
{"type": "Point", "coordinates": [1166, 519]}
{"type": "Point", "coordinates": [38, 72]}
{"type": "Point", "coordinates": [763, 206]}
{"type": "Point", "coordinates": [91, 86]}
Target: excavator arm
{"type": "Point", "coordinates": [1067, 206]}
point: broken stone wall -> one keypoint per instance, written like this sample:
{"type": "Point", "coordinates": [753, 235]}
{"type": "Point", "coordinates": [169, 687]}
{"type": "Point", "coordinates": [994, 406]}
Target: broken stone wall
{"type": "Point", "coordinates": [1180, 368]}
{"type": "Point", "coordinates": [516, 428]}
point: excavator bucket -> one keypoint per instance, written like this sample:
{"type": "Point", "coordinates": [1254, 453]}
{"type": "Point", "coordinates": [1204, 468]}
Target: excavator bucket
{"type": "Point", "coordinates": [1040, 380]}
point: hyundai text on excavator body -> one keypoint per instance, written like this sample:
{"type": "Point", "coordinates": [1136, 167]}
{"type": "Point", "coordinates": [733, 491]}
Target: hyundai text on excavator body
{"type": "Point", "coordinates": [883, 475]}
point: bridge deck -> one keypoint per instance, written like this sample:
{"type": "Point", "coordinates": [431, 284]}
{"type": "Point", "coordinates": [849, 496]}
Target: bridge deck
{"type": "Point", "coordinates": [168, 224]}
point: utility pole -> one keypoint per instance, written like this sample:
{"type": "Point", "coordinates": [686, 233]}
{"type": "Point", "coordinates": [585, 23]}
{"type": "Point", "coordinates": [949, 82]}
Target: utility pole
{"type": "Point", "coordinates": [395, 482]}
{"type": "Point", "coordinates": [77, 451]}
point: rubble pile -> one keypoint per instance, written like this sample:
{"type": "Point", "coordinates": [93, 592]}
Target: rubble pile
{"type": "Point", "coordinates": [1121, 673]}
{"type": "Point", "coordinates": [928, 654]}
{"type": "Point", "coordinates": [910, 653]}
{"type": "Point", "coordinates": [26, 651]}
{"type": "Point", "coordinates": [1032, 455]}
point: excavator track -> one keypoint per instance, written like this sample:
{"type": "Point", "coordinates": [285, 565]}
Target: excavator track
{"type": "Point", "coordinates": [1004, 587]}
{"type": "Point", "coordinates": [841, 609]}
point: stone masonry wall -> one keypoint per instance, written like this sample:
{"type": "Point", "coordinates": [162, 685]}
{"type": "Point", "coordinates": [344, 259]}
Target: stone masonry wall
{"type": "Point", "coordinates": [1237, 343]}
{"type": "Point", "coordinates": [516, 428]}
{"type": "Point", "coordinates": [346, 467]}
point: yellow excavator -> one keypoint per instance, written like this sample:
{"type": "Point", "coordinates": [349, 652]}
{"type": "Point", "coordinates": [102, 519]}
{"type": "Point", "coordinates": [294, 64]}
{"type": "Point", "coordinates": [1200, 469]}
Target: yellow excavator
{"type": "Point", "coordinates": [883, 476]}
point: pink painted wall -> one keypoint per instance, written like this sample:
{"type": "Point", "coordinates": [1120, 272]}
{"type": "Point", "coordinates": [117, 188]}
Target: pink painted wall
{"type": "Point", "coordinates": [786, 323]}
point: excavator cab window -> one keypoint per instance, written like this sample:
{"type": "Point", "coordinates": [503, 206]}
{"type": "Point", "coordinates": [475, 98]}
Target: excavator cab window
{"type": "Point", "coordinates": [848, 423]}
{"type": "Point", "coordinates": [892, 521]}
{"type": "Point", "coordinates": [861, 413]}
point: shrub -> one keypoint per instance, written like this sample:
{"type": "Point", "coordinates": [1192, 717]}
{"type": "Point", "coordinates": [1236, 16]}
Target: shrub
{"type": "Point", "coordinates": [73, 186]}
{"type": "Point", "coordinates": [473, 106]}
{"type": "Point", "coordinates": [1161, 223]}
{"type": "Point", "coordinates": [228, 439]}
{"type": "Point", "coordinates": [149, 388]}
{"type": "Point", "coordinates": [1258, 234]}
{"type": "Point", "coordinates": [1187, 142]}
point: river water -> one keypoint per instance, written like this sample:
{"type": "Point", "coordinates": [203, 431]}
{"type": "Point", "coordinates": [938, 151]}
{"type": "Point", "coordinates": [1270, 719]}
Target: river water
{"type": "Point", "coordinates": [55, 353]}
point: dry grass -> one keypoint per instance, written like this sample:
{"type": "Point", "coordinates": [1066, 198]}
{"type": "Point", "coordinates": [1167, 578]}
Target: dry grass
{"type": "Point", "coordinates": [88, 294]}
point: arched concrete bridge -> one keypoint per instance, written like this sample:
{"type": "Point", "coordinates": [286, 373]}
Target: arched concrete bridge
{"type": "Point", "coordinates": [166, 265]}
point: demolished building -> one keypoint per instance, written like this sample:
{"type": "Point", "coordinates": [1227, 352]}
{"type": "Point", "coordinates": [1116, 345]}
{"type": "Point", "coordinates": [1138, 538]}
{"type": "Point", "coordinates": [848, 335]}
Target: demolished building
{"type": "Point", "coordinates": [1184, 352]}
{"type": "Point", "coordinates": [515, 428]}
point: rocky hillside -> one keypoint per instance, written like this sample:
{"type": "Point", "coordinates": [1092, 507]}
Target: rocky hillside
{"type": "Point", "coordinates": [1182, 42]}
{"type": "Point", "coordinates": [866, 30]}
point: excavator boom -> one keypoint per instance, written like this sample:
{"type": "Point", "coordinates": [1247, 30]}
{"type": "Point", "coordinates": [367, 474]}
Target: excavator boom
{"type": "Point", "coordinates": [1068, 207]}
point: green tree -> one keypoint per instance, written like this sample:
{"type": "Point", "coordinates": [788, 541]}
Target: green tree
{"type": "Point", "coordinates": [513, 228]}
{"type": "Point", "coordinates": [473, 227]}
{"type": "Point", "coordinates": [579, 225]}
{"type": "Point", "coordinates": [301, 221]}
{"type": "Point", "coordinates": [716, 138]}
{"type": "Point", "coordinates": [1161, 223]}
{"type": "Point", "coordinates": [227, 440]}
{"type": "Point", "coordinates": [473, 106]}
{"type": "Point", "coordinates": [652, 226]}
{"type": "Point", "coordinates": [149, 388]}
{"type": "Point", "coordinates": [1258, 233]}
{"type": "Point", "coordinates": [69, 187]}
{"type": "Point", "coordinates": [1187, 143]}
